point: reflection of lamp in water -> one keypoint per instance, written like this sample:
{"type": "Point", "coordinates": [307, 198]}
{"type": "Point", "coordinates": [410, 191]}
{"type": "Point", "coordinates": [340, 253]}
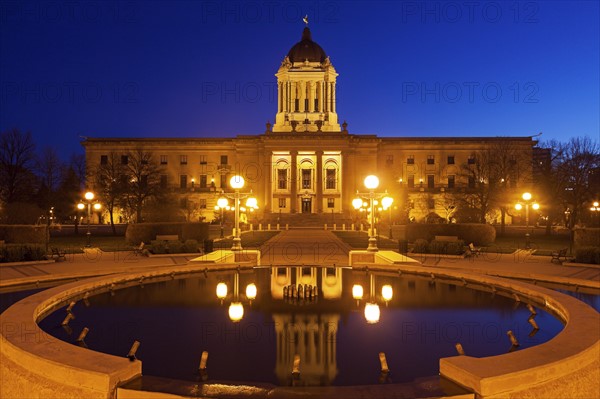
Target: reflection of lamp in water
{"type": "Point", "coordinates": [387, 293]}
{"type": "Point", "coordinates": [372, 311]}
{"type": "Point", "coordinates": [236, 308]}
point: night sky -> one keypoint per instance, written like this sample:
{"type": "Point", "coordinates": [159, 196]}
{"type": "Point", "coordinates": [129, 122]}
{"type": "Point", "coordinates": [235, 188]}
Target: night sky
{"type": "Point", "coordinates": [206, 69]}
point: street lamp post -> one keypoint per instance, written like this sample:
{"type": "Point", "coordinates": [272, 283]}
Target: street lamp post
{"type": "Point", "coordinates": [237, 182]}
{"type": "Point", "coordinates": [534, 205]}
{"type": "Point", "coordinates": [89, 198]}
{"type": "Point", "coordinates": [371, 183]}
{"type": "Point", "coordinates": [221, 204]}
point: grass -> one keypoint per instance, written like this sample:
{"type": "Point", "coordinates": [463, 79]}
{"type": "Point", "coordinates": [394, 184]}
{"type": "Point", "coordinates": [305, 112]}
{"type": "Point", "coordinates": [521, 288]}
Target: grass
{"type": "Point", "coordinates": [360, 240]}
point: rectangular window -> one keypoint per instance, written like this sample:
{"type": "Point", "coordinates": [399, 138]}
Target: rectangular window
{"type": "Point", "coordinates": [471, 160]}
{"type": "Point", "coordinates": [103, 159]}
{"type": "Point", "coordinates": [223, 159]}
{"type": "Point", "coordinates": [124, 159]}
{"type": "Point", "coordinates": [330, 179]}
{"type": "Point", "coordinates": [183, 159]}
{"type": "Point", "coordinates": [451, 181]}
{"type": "Point", "coordinates": [306, 178]}
{"type": "Point", "coordinates": [430, 159]}
{"type": "Point", "coordinates": [163, 181]}
{"type": "Point", "coordinates": [389, 160]}
{"type": "Point", "coordinates": [202, 203]}
{"type": "Point", "coordinates": [450, 159]}
{"type": "Point", "coordinates": [411, 181]}
{"type": "Point", "coordinates": [471, 182]}
{"type": "Point", "coordinates": [430, 181]}
{"type": "Point", "coordinates": [203, 160]}
{"type": "Point", "coordinates": [203, 181]}
{"type": "Point", "coordinates": [330, 203]}
{"type": "Point", "coordinates": [164, 159]}
{"type": "Point", "coordinates": [282, 202]}
{"type": "Point", "coordinates": [410, 160]}
{"type": "Point", "coordinates": [223, 181]}
{"type": "Point", "coordinates": [282, 179]}
{"type": "Point", "coordinates": [183, 181]}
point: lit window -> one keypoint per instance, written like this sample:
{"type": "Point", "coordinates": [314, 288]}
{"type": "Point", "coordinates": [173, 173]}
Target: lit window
{"type": "Point", "coordinates": [330, 203]}
{"type": "Point", "coordinates": [282, 179]}
{"type": "Point", "coordinates": [330, 179]}
{"type": "Point", "coordinates": [306, 178]}
{"type": "Point", "coordinates": [282, 202]}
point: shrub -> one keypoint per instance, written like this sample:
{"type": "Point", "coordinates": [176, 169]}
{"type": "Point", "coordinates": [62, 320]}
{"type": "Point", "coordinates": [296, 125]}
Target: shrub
{"type": "Point", "coordinates": [158, 247]}
{"type": "Point", "coordinates": [174, 247]}
{"type": "Point", "coordinates": [421, 246]}
{"type": "Point", "coordinates": [21, 253]}
{"type": "Point", "coordinates": [147, 232]}
{"type": "Point", "coordinates": [587, 237]}
{"type": "Point", "coordinates": [23, 233]}
{"type": "Point", "coordinates": [190, 246]}
{"type": "Point", "coordinates": [478, 234]}
{"type": "Point", "coordinates": [588, 255]}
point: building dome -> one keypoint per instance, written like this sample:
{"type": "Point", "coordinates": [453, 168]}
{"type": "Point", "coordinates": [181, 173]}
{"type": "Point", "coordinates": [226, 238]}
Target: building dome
{"type": "Point", "coordinates": [306, 49]}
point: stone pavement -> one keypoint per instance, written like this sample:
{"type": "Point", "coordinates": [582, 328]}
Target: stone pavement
{"type": "Point", "coordinates": [297, 247]}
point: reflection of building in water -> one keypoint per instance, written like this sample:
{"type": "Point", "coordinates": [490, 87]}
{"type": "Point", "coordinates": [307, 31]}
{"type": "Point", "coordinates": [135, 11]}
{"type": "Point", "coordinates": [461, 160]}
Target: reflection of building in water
{"type": "Point", "coordinates": [313, 338]}
{"type": "Point", "coordinates": [329, 282]}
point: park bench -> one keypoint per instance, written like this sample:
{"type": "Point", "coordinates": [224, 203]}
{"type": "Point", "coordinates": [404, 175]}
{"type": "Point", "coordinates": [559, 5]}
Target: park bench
{"type": "Point", "coordinates": [446, 238]}
{"type": "Point", "coordinates": [58, 253]}
{"type": "Point", "coordinates": [139, 250]}
{"type": "Point", "coordinates": [473, 250]}
{"type": "Point", "coordinates": [167, 237]}
{"type": "Point", "coordinates": [561, 253]}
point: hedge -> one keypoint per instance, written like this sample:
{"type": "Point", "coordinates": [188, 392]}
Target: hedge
{"type": "Point", "coordinates": [147, 232]}
{"type": "Point", "coordinates": [587, 237]}
{"type": "Point", "coordinates": [173, 247]}
{"type": "Point", "coordinates": [588, 255]}
{"type": "Point", "coordinates": [23, 233]}
{"type": "Point", "coordinates": [476, 233]}
{"type": "Point", "coordinates": [439, 247]}
{"type": "Point", "coordinates": [21, 253]}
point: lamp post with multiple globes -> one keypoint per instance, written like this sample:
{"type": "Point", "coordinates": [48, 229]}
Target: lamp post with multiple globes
{"type": "Point", "coordinates": [89, 199]}
{"type": "Point", "coordinates": [236, 308]}
{"type": "Point", "coordinates": [237, 183]}
{"type": "Point", "coordinates": [371, 183]}
{"type": "Point", "coordinates": [535, 206]}
{"type": "Point", "coordinates": [372, 311]}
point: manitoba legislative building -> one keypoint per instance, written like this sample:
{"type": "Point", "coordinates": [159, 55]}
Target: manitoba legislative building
{"type": "Point", "coordinates": [306, 167]}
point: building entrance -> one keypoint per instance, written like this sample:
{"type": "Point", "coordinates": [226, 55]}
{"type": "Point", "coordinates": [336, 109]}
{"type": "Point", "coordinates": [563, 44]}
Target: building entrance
{"type": "Point", "coordinates": [306, 205]}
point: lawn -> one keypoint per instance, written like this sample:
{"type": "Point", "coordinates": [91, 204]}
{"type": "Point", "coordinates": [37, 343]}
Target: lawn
{"type": "Point", "coordinates": [250, 239]}
{"type": "Point", "coordinates": [75, 244]}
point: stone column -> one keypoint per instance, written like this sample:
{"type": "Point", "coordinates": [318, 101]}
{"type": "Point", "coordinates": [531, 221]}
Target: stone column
{"type": "Point", "coordinates": [279, 97]}
{"type": "Point", "coordinates": [294, 181]}
{"type": "Point", "coordinates": [319, 181]}
{"type": "Point", "coordinates": [311, 96]}
{"type": "Point", "coordinates": [302, 96]}
{"type": "Point", "coordinates": [326, 96]}
{"type": "Point", "coordinates": [333, 107]}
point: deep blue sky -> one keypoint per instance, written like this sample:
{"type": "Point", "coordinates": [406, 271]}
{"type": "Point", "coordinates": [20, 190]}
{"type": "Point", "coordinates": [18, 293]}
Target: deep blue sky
{"type": "Point", "coordinates": [151, 69]}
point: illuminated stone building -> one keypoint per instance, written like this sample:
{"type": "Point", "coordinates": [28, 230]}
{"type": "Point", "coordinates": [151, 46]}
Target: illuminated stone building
{"type": "Point", "coordinates": [307, 162]}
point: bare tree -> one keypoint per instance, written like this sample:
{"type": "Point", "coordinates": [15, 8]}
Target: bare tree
{"type": "Point", "coordinates": [481, 192]}
{"type": "Point", "coordinates": [550, 184]}
{"type": "Point", "coordinates": [16, 164]}
{"type": "Point", "coordinates": [143, 180]}
{"type": "Point", "coordinates": [110, 181]}
{"type": "Point", "coordinates": [579, 158]}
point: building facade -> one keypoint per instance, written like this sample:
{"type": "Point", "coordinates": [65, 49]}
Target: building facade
{"type": "Point", "coordinates": [306, 162]}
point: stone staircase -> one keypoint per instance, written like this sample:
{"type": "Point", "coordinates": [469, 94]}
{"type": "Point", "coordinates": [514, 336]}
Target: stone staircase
{"type": "Point", "coordinates": [308, 220]}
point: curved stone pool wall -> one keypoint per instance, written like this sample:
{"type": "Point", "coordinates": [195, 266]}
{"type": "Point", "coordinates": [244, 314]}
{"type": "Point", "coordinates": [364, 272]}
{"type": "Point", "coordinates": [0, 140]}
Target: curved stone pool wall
{"type": "Point", "coordinates": [34, 364]}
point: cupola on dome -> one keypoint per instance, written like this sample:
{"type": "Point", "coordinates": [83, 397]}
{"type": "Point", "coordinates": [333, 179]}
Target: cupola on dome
{"type": "Point", "coordinates": [306, 49]}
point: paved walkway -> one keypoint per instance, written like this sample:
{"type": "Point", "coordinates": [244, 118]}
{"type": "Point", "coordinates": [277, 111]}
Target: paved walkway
{"type": "Point", "coordinates": [297, 247]}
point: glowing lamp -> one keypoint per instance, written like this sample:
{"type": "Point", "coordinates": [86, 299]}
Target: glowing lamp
{"type": "Point", "coordinates": [526, 196]}
{"type": "Point", "coordinates": [236, 182]}
{"type": "Point", "coordinates": [80, 206]}
{"type": "Point", "coordinates": [387, 292]}
{"type": "Point", "coordinates": [357, 203]}
{"type": "Point", "coordinates": [236, 311]}
{"type": "Point", "coordinates": [221, 290]}
{"type": "Point", "coordinates": [371, 182]}
{"type": "Point", "coordinates": [518, 207]}
{"type": "Point", "coordinates": [372, 313]}
{"type": "Point", "coordinates": [89, 196]}
{"type": "Point", "coordinates": [251, 291]}
{"type": "Point", "coordinates": [357, 291]}
{"type": "Point", "coordinates": [387, 202]}
{"type": "Point", "coordinates": [97, 206]}
{"type": "Point", "coordinates": [222, 202]}
{"type": "Point", "coordinates": [252, 202]}
{"type": "Point", "coordinates": [535, 206]}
